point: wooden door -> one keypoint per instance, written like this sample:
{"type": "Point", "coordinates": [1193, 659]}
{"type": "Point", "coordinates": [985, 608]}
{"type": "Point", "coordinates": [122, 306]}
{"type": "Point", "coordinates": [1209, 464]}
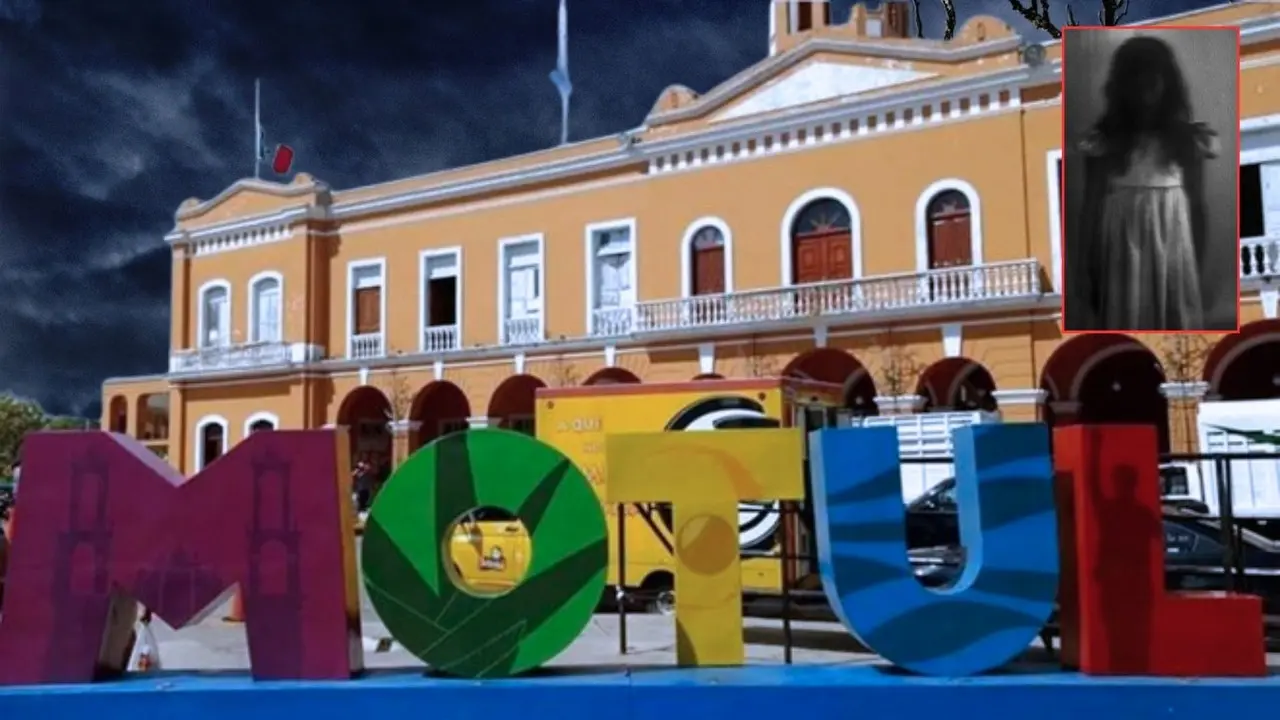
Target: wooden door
{"type": "Point", "coordinates": [809, 259]}
{"type": "Point", "coordinates": [368, 302]}
{"type": "Point", "coordinates": [708, 270]}
{"type": "Point", "coordinates": [950, 240]}
{"type": "Point", "coordinates": [708, 279]}
{"type": "Point", "coordinates": [838, 256]}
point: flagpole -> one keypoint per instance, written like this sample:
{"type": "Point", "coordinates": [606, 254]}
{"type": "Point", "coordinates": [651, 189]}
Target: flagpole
{"type": "Point", "coordinates": [560, 76]}
{"type": "Point", "coordinates": [562, 55]}
{"type": "Point", "coordinates": [257, 128]}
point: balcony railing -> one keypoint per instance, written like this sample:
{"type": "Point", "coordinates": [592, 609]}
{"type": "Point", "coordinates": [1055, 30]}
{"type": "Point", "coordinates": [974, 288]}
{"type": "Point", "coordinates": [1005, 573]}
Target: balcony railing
{"type": "Point", "coordinates": [934, 289]}
{"type": "Point", "coordinates": [247, 355]}
{"type": "Point", "coordinates": [612, 322]}
{"type": "Point", "coordinates": [1259, 258]}
{"type": "Point", "coordinates": [367, 346]}
{"type": "Point", "coordinates": [440, 338]}
{"type": "Point", "coordinates": [522, 331]}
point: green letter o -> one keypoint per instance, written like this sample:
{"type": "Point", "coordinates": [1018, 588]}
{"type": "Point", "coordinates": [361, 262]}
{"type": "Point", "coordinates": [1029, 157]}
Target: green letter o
{"type": "Point", "coordinates": [406, 551]}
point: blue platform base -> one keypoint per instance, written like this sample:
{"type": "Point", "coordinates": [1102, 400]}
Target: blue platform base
{"type": "Point", "coordinates": [662, 694]}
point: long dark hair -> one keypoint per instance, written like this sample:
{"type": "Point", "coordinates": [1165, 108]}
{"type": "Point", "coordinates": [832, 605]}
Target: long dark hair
{"type": "Point", "coordinates": [1132, 111]}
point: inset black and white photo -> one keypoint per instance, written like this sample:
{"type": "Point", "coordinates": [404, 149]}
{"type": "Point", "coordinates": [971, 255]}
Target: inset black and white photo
{"type": "Point", "coordinates": [1150, 123]}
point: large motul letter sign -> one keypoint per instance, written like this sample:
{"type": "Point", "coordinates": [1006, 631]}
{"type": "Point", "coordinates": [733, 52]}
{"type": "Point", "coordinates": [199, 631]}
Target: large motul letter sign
{"type": "Point", "coordinates": [104, 522]}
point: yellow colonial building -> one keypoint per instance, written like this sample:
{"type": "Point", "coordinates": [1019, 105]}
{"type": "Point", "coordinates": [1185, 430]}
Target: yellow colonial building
{"type": "Point", "coordinates": [859, 207]}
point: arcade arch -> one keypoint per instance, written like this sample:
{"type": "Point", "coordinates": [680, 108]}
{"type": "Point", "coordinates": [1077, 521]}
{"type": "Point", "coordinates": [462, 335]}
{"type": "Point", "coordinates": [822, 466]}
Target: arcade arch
{"type": "Point", "coordinates": [1106, 379]}
{"type": "Point", "coordinates": [957, 384]}
{"type": "Point", "coordinates": [837, 367]}
{"type": "Point", "coordinates": [439, 408]}
{"type": "Point", "coordinates": [1246, 365]}
{"type": "Point", "coordinates": [612, 376]}
{"type": "Point", "coordinates": [118, 414]}
{"type": "Point", "coordinates": [514, 404]}
{"type": "Point", "coordinates": [365, 412]}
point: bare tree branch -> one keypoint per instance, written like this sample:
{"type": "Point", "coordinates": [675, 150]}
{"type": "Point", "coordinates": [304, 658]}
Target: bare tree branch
{"type": "Point", "coordinates": [400, 396]}
{"type": "Point", "coordinates": [563, 373]}
{"type": "Point", "coordinates": [919, 20]}
{"type": "Point", "coordinates": [1112, 12]}
{"type": "Point", "coordinates": [949, 7]}
{"type": "Point", "coordinates": [1036, 12]}
{"type": "Point", "coordinates": [756, 362]}
{"type": "Point", "coordinates": [897, 370]}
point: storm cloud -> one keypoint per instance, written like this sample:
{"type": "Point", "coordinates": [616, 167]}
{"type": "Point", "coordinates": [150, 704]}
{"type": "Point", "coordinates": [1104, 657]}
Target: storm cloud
{"type": "Point", "coordinates": [112, 113]}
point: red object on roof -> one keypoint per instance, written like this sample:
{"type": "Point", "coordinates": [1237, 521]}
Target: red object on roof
{"type": "Point", "coordinates": [282, 161]}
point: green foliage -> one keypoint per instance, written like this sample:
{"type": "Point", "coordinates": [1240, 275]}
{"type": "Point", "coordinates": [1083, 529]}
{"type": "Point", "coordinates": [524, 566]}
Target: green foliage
{"type": "Point", "coordinates": [66, 422]}
{"type": "Point", "coordinates": [18, 417]}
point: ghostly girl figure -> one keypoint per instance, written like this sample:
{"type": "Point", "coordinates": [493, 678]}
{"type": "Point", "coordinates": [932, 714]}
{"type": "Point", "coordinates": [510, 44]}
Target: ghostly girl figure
{"type": "Point", "coordinates": [1138, 243]}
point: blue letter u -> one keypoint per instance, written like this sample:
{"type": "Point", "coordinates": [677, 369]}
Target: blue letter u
{"type": "Point", "coordinates": [1004, 488]}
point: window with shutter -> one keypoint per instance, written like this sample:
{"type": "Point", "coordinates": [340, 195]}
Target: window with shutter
{"type": "Point", "coordinates": [217, 318]}
{"type": "Point", "coordinates": [366, 299]}
{"type": "Point", "coordinates": [368, 305]}
{"type": "Point", "coordinates": [950, 231]}
{"type": "Point", "coordinates": [524, 280]}
{"type": "Point", "coordinates": [266, 311]}
{"type": "Point", "coordinates": [613, 270]}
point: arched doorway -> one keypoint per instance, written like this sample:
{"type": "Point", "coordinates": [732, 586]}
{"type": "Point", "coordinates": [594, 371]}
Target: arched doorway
{"type": "Point", "coordinates": [211, 440]}
{"type": "Point", "coordinates": [822, 242]}
{"type": "Point", "coordinates": [950, 230]}
{"type": "Point", "coordinates": [439, 409]}
{"type": "Point", "coordinates": [118, 415]}
{"type": "Point", "coordinates": [707, 262]}
{"type": "Point", "coordinates": [1105, 380]}
{"type": "Point", "coordinates": [837, 367]}
{"type": "Point", "coordinates": [957, 384]}
{"type": "Point", "coordinates": [261, 425]}
{"type": "Point", "coordinates": [513, 403]}
{"type": "Point", "coordinates": [365, 413]}
{"type": "Point", "coordinates": [1246, 365]}
{"type": "Point", "coordinates": [153, 416]}
{"type": "Point", "coordinates": [612, 376]}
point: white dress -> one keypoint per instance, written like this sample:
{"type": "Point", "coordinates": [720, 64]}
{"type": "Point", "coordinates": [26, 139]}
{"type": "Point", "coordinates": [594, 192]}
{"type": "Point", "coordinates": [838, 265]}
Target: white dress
{"type": "Point", "coordinates": [1142, 260]}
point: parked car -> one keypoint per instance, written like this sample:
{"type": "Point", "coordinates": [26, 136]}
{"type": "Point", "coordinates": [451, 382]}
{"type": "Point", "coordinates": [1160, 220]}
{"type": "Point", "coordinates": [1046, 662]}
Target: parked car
{"type": "Point", "coordinates": [1194, 552]}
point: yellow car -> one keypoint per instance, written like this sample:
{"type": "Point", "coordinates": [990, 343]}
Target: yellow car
{"type": "Point", "coordinates": [490, 551]}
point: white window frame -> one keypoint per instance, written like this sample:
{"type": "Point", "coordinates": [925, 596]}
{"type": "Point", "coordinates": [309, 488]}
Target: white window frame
{"type": "Point", "coordinates": [352, 268]}
{"type": "Point", "coordinates": [254, 282]}
{"type": "Point", "coordinates": [504, 250]}
{"type": "Point", "coordinates": [1251, 129]}
{"type": "Point", "coordinates": [202, 325]}
{"type": "Point", "coordinates": [789, 219]}
{"type": "Point", "coordinates": [922, 220]}
{"type": "Point", "coordinates": [1054, 190]}
{"type": "Point", "coordinates": [591, 254]}
{"type": "Point", "coordinates": [259, 417]}
{"type": "Point", "coordinates": [686, 253]}
{"type": "Point", "coordinates": [424, 257]}
{"type": "Point", "coordinates": [203, 423]}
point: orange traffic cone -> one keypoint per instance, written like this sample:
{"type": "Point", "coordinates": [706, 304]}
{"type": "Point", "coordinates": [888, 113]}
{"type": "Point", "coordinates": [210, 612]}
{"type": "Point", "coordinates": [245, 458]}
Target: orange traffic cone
{"type": "Point", "coordinates": [236, 614]}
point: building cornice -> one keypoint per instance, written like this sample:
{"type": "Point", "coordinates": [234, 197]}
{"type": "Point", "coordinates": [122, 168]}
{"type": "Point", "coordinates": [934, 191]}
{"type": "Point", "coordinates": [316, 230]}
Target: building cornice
{"type": "Point", "coordinates": [302, 185]}
{"type": "Point", "coordinates": [642, 152]}
{"type": "Point", "coordinates": [634, 153]}
{"type": "Point", "coordinates": [726, 91]}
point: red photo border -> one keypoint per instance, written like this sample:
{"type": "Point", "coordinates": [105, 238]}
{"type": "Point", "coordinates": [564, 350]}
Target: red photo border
{"type": "Point", "coordinates": [1062, 186]}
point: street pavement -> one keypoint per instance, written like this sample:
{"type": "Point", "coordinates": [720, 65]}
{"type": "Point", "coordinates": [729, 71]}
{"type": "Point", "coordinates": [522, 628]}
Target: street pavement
{"type": "Point", "coordinates": [217, 645]}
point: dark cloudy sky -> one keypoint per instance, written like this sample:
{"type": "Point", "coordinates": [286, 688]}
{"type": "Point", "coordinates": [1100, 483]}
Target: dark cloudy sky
{"type": "Point", "coordinates": [114, 111]}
